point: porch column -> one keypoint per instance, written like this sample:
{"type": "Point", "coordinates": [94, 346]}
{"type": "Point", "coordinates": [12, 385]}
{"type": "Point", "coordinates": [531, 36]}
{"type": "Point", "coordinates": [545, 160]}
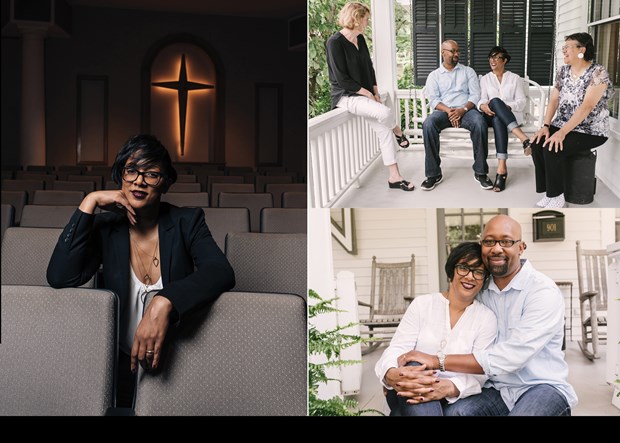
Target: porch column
{"type": "Point", "coordinates": [384, 45]}
{"type": "Point", "coordinates": [33, 95]}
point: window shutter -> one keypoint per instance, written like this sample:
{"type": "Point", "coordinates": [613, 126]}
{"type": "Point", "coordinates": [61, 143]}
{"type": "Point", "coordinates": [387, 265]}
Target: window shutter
{"type": "Point", "coordinates": [540, 45]}
{"type": "Point", "coordinates": [512, 33]}
{"type": "Point", "coordinates": [483, 26]}
{"type": "Point", "coordinates": [455, 26]}
{"type": "Point", "coordinates": [425, 32]}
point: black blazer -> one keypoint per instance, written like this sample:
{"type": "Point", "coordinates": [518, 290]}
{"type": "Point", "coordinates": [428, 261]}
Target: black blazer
{"type": "Point", "coordinates": [185, 244]}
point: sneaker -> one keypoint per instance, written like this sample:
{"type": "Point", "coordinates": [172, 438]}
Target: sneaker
{"type": "Point", "coordinates": [484, 181]}
{"type": "Point", "coordinates": [556, 202]}
{"type": "Point", "coordinates": [430, 182]}
{"type": "Point", "coordinates": [543, 202]}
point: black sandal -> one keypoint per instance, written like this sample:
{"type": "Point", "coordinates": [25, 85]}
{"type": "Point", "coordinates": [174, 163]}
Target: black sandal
{"type": "Point", "coordinates": [500, 182]}
{"type": "Point", "coordinates": [403, 184]}
{"type": "Point", "coordinates": [527, 149]}
{"type": "Point", "coordinates": [401, 139]}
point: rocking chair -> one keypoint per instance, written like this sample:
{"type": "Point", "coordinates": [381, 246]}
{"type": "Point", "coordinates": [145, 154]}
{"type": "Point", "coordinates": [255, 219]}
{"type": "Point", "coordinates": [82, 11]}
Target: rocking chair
{"type": "Point", "coordinates": [592, 274]}
{"type": "Point", "coordinates": [392, 289]}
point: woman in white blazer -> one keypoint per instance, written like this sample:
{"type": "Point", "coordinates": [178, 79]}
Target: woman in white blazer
{"type": "Point", "coordinates": [502, 102]}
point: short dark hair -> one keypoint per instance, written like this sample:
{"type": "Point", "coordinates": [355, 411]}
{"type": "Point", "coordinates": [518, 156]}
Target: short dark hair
{"type": "Point", "coordinates": [495, 50]}
{"type": "Point", "coordinates": [584, 40]}
{"type": "Point", "coordinates": [466, 251]}
{"type": "Point", "coordinates": [147, 151]}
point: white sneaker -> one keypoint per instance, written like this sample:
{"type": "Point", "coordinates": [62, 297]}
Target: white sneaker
{"type": "Point", "coordinates": [556, 202]}
{"type": "Point", "coordinates": [543, 202]}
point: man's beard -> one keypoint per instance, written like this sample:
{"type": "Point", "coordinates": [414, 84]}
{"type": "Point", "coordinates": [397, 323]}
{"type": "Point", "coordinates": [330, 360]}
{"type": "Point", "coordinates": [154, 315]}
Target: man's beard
{"type": "Point", "coordinates": [497, 270]}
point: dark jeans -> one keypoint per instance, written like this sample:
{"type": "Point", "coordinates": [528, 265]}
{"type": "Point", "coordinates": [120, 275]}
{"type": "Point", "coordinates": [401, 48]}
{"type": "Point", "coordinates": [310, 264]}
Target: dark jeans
{"type": "Point", "coordinates": [549, 165]}
{"type": "Point", "coordinates": [125, 382]}
{"type": "Point", "coordinates": [503, 121]}
{"type": "Point", "coordinates": [400, 408]}
{"type": "Point", "coordinates": [539, 400]}
{"type": "Point", "coordinates": [474, 122]}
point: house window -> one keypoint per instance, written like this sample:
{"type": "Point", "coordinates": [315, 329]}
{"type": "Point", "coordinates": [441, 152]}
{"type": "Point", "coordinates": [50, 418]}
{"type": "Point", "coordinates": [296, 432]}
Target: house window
{"type": "Point", "coordinates": [604, 26]}
{"type": "Point", "coordinates": [456, 225]}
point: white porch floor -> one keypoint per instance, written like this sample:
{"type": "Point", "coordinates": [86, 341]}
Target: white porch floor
{"type": "Point", "coordinates": [586, 377]}
{"type": "Point", "coordinates": [458, 189]}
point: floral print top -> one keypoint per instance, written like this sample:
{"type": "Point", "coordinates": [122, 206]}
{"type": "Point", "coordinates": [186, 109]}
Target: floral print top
{"type": "Point", "coordinates": [572, 93]}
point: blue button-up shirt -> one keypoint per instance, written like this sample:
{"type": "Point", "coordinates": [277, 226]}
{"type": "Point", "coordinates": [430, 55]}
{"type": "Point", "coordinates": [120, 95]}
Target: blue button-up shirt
{"type": "Point", "coordinates": [530, 329]}
{"type": "Point", "coordinates": [452, 88]}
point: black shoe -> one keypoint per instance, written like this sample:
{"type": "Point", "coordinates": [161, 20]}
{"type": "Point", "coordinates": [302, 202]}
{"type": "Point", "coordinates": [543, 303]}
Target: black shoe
{"type": "Point", "coordinates": [527, 149]}
{"type": "Point", "coordinates": [430, 183]}
{"type": "Point", "coordinates": [484, 181]}
{"type": "Point", "coordinates": [403, 184]}
{"type": "Point", "coordinates": [402, 139]}
{"type": "Point", "coordinates": [500, 182]}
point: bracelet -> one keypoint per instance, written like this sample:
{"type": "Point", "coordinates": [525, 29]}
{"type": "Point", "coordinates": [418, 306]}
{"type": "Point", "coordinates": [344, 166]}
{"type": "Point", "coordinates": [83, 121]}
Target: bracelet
{"type": "Point", "coordinates": [546, 125]}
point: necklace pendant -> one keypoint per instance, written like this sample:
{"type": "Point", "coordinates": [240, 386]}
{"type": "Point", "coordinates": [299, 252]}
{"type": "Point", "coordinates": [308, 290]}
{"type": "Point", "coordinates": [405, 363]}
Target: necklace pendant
{"type": "Point", "coordinates": [156, 261]}
{"type": "Point", "coordinates": [147, 279]}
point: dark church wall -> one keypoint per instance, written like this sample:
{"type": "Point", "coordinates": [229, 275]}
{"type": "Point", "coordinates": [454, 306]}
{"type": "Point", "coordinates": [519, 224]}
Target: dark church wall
{"type": "Point", "coordinates": [113, 42]}
{"type": "Point", "coordinates": [11, 84]}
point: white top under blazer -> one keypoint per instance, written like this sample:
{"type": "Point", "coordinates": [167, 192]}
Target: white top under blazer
{"type": "Point", "coordinates": [510, 90]}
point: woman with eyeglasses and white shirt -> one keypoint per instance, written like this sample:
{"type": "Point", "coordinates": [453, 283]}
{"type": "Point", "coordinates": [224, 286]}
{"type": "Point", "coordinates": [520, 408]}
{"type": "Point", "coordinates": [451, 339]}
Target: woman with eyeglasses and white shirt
{"type": "Point", "coordinates": [450, 322]}
{"type": "Point", "coordinates": [502, 103]}
{"type": "Point", "coordinates": [579, 103]}
{"type": "Point", "coordinates": [144, 245]}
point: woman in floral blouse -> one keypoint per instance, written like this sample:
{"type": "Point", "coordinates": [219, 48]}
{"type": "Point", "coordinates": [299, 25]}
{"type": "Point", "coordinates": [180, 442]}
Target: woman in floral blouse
{"type": "Point", "coordinates": [580, 94]}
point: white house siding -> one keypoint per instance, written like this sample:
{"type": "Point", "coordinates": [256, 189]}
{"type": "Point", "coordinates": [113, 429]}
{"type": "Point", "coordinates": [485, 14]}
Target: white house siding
{"type": "Point", "coordinates": [572, 16]}
{"type": "Point", "coordinates": [393, 234]}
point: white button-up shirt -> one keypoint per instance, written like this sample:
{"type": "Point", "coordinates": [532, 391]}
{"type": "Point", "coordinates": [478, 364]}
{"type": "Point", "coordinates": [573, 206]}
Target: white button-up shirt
{"type": "Point", "coordinates": [510, 90]}
{"type": "Point", "coordinates": [528, 350]}
{"type": "Point", "coordinates": [426, 324]}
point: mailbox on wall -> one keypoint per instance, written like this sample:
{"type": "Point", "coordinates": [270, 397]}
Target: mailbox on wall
{"type": "Point", "coordinates": [548, 226]}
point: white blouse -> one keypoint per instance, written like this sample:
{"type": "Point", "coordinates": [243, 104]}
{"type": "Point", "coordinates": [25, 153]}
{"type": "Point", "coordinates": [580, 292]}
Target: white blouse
{"type": "Point", "coordinates": [510, 90]}
{"type": "Point", "coordinates": [135, 309]}
{"type": "Point", "coordinates": [426, 324]}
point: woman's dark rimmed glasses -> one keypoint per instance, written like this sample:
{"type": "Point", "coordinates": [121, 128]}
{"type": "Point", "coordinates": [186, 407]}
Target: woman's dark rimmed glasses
{"type": "Point", "coordinates": [130, 175]}
{"type": "Point", "coordinates": [463, 270]}
{"type": "Point", "coordinates": [504, 243]}
{"type": "Point", "coordinates": [496, 57]}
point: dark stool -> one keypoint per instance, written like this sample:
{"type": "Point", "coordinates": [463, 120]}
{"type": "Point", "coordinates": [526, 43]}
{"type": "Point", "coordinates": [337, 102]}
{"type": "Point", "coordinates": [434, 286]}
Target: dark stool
{"type": "Point", "coordinates": [579, 178]}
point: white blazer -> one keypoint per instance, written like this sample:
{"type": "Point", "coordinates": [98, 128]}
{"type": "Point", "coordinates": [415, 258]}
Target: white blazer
{"type": "Point", "coordinates": [510, 90]}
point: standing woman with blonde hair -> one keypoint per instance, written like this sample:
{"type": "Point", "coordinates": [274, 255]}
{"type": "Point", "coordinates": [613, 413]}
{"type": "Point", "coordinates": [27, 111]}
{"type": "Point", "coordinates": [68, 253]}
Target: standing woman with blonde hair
{"type": "Point", "coordinates": [354, 86]}
{"type": "Point", "coordinates": [580, 94]}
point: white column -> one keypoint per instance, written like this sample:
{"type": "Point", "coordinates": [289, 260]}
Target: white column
{"type": "Point", "coordinates": [384, 45]}
{"type": "Point", "coordinates": [33, 95]}
{"type": "Point", "coordinates": [321, 280]}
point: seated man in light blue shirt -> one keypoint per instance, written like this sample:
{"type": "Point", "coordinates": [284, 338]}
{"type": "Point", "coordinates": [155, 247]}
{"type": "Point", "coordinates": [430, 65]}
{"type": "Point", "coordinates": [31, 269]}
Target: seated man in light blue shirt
{"type": "Point", "coordinates": [453, 91]}
{"type": "Point", "coordinates": [526, 367]}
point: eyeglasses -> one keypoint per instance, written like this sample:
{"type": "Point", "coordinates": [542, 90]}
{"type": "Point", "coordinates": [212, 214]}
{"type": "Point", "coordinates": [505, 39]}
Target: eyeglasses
{"type": "Point", "coordinates": [565, 47]}
{"type": "Point", "coordinates": [453, 51]}
{"type": "Point", "coordinates": [463, 270]}
{"type": "Point", "coordinates": [496, 57]}
{"type": "Point", "coordinates": [504, 243]}
{"type": "Point", "coordinates": [130, 175]}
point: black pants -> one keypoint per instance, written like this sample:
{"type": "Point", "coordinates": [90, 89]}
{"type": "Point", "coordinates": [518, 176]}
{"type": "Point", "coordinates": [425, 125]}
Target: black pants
{"type": "Point", "coordinates": [125, 382]}
{"type": "Point", "coordinates": [549, 165]}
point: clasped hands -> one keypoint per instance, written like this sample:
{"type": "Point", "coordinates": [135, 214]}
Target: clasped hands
{"type": "Point", "coordinates": [417, 383]}
{"type": "Point", "coordinates": [455, 115]}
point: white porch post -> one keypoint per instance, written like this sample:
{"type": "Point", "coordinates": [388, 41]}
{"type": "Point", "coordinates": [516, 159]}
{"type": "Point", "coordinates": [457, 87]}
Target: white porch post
{"type": "Point", "coordinates": [384, 45]}
{"type": "Point", "coordinates": [321, 280]}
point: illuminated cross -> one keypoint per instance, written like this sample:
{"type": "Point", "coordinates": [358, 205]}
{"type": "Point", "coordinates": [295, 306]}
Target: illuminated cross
{"type": "Point", "coordinates": [182, 86]}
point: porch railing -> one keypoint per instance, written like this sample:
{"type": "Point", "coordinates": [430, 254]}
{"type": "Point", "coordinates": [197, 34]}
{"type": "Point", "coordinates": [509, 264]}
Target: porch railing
{"type": "Point", "coordinates": [342, 147]}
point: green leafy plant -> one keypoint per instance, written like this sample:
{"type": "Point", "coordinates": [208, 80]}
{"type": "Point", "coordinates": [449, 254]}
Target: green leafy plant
{"type": "Point", "coordinates": [329, 343]}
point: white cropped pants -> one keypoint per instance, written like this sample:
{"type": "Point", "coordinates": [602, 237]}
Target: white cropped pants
{"type": "Point", "coordinates": [381, 120]}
